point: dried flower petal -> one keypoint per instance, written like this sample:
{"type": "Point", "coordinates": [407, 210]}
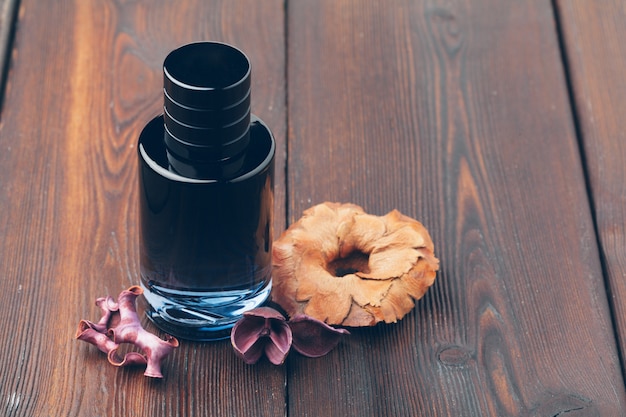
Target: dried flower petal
{"type": "Point", "coordinates": [129, 330]}
{"type": "Point", "coordinates": [343, 266]}
{"type": "Point", "coordinates": [87, 333]}
{"type": "Point", "coordinates": [261, 331]}
{"type": "Point", "coordinates": [129, 359]}
{"type": "Point", "coordinates": [312, 337]}
{"type": "Point", "coordinates": [120, 324]}
{"type": "Point", "coordinates": [107, 306]}
{"type": "Point", "coordinates": [281, 337]}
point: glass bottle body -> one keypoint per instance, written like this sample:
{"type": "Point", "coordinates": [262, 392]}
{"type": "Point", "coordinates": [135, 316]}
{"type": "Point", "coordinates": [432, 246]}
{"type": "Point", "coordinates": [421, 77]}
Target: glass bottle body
{"type": "Point", "coordinates": [205, 245]}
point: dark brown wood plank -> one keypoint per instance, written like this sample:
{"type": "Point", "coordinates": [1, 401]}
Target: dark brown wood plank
{"type": "Point", "coordinates": [593, 36]}
{"type": "Point", "coordinates": [86, 77]}
{"type": "Point", "coordinates": [455, 113]}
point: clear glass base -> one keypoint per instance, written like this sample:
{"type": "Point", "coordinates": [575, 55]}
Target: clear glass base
{"type": "Point", "coordinates": [201, 316]}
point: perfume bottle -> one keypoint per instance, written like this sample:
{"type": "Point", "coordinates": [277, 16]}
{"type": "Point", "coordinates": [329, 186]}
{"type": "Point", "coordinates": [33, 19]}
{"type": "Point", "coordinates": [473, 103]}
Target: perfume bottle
{"type": "Point", "coordinates": [206, 181]}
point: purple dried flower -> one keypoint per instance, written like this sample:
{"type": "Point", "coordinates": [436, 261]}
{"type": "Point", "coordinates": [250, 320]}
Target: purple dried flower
{"type": "Point", "coordinates": [120, 324]}
{"type": "Point", "coordinates": [312, 337]}
{"type": "Point", "coordinates": [264, 330]}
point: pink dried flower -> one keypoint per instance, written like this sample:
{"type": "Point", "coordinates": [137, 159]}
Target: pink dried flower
{"type": "Point", "coordinates": [264, 330]}
{"type": "Point", "coordinates": [313, 337]}
{"type": "Point", "coordinates": [261, 331]}
{"type": "Point", "coordinates": [120, 324]}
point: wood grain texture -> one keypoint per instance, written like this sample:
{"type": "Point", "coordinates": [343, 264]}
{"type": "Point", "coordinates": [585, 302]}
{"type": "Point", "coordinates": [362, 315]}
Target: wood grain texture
{"type": "Point", "coordinates": [86, 77]}
{"type": "Point", "coordinates": [455, 113]}
{"type": "Point", "coordinates": [593, 35]}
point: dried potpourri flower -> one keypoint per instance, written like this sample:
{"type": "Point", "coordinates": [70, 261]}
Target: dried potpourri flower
{"type": "Point", "coordinates": [314, 338]}
{"type": "Point", "coordinates": [264, 330]}
{"type": "Point", "coordinates": [120, 324]}
{"type": "Point", "coordinates": [346, 267]}
{"type": "Point", "coordinates": [261, 331]}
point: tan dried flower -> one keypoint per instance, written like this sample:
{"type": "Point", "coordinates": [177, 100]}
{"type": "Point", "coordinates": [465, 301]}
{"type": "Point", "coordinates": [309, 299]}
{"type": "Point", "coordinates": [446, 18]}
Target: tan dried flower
{"type": "Point", "coordinates": [343, 266]}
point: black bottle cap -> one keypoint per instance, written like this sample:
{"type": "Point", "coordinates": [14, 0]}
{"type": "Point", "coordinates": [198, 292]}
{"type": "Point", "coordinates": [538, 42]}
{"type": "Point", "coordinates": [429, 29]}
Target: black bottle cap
{"type": "Point", "coordinates": [206, 114]}
{"type": "Point", "coordinates": [207, 75]}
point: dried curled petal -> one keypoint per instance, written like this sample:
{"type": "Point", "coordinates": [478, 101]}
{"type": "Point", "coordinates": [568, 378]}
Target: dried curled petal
{"type": "Point", "coordinates": [120, 324]}
{"type": "Point", "coordinates": [129, 359]}
{"type": "Point", "coordinates": [107, 307]}
{"type": "Point", "coordinates": [87, 333]}
{"type": "Point", "coordinates": [264, 331]}
{"type": "Point", "coordinates": [343, 266]}
{"type": "Point", "coordinates": [312, 337]}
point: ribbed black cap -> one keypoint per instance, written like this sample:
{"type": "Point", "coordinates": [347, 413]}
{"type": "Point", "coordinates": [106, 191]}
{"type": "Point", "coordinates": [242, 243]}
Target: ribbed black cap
{"type": "Point", "coordinates": [206, 114]}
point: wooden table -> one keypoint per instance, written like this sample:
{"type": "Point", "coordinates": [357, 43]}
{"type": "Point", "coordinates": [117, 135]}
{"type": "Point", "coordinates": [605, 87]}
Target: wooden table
{"type": "Point", "coordinates": [501, 125]}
